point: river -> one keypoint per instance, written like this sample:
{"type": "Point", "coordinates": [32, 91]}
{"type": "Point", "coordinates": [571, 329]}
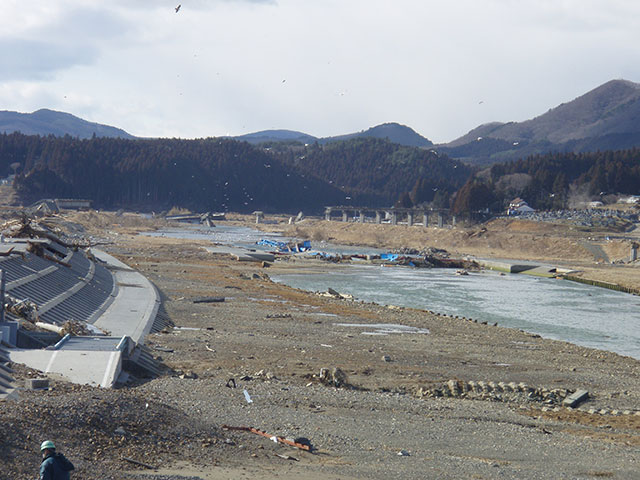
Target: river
{"type": "Point", "coordinates": [559, 309]}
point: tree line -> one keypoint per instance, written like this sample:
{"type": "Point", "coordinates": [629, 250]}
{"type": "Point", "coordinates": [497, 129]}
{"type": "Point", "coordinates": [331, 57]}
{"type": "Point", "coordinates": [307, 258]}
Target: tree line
{"type": "Point", "coordinates": [219, 174]}
{"type": "Point", "coordinates": [552, 181]}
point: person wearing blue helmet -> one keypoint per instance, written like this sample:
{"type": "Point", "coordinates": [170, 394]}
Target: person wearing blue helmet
{"type": "Point", "coordinates": [55, 466]}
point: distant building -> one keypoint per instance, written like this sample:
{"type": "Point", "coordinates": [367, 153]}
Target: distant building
{"type": "Point", "coordinates": [518, 206]}
{"type": "Point", "coordinates": [73, 203]}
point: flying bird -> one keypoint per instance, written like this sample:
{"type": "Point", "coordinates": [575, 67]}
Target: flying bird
{"type": "Point", "coordinates": [178, 8]}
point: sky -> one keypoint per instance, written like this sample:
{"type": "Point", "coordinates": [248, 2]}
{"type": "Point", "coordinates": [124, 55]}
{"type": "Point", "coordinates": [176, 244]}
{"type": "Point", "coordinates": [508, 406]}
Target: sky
{"type": "Point", "coordinates": [322, 67]}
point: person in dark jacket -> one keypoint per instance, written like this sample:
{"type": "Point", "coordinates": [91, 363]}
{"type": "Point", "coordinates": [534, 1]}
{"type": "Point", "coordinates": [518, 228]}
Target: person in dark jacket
{"type": "Point", "coordinates": [55, 466]}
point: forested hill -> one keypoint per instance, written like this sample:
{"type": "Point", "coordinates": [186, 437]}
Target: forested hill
{"type": "Point", "coordinates": [553, 181]}
{"type": "Point", "coordinates": [378, 172]}
{"type": "Point", "coordinates": [50, 122]}
{"type": "Point", "coordinates": [394, 132]}
{"type": "Point", "coordinates": [224, 174]}
{"type": "Point", "coordinates": [209, 174]}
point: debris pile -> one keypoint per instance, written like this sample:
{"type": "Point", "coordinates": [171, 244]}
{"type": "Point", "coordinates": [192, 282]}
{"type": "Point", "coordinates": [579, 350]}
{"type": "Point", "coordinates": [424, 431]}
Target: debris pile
{"type": "Point", "coordinates": [333, 378]}
{"type": "Point", "coordinates": [76, 329]}
{"type": "Point", "coordinates": [26, 227]}
{"type": "Point", "coordinates": [21, 308]}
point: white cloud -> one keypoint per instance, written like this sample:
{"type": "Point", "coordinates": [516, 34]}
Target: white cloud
{"type": "Point", "coordinates": [323, 67]}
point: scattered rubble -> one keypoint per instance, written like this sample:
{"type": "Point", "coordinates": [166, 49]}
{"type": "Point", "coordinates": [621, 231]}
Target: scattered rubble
{"type": "Point", "coordinates": [333, 378]}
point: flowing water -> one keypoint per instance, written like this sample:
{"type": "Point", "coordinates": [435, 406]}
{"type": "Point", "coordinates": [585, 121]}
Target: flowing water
{"type": "Point", "coordinates": [559, 309]}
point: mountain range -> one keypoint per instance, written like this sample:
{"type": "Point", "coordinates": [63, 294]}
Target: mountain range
{"type": "Point", "coordinates": [45, 122]}
{"type": "Point", "coordinates": [606, 118]}
{"type": "Point", "coordinates": [394, 132]}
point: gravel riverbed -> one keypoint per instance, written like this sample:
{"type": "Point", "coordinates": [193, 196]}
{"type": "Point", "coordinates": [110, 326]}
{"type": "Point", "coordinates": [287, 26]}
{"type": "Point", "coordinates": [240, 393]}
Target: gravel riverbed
{"type": "Point", "coordinates": [273, 342]}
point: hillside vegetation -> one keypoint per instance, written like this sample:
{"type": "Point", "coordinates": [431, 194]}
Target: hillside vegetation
{"type": "Point", "coordinates": [228, 175]}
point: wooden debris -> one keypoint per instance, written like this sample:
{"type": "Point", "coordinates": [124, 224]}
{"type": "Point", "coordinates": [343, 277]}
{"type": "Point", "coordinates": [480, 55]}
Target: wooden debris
{"type": "Point", "coordinates": [285, 441]}
{"type": "Point", "coordinates": [136, 462]}
{"type": "Point", "coordinates": [208, 300]}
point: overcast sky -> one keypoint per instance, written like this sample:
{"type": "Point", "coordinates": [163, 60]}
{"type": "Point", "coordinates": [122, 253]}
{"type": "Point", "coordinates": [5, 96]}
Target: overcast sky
{"type": "Point", "coordinates": [323, 67]}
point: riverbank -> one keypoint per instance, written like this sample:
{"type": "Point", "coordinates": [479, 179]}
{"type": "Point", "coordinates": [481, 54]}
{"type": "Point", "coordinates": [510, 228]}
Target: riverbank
{"type": "Point", "coordinates": [402, 406]}
{"type": "Point", "coordinates": [597, 255]}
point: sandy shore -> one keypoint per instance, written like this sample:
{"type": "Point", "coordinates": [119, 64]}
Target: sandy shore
{"type": "Point", "coordinates": [401, 407]}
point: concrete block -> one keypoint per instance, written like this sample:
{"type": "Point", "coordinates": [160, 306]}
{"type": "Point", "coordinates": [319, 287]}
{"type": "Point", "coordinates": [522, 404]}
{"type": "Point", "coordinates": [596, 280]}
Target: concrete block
{"type": "Point", "coordinates": [453, 387]}
{"type": "Point", "coordinates": [36, 383]}
{"type": "Point", "coordinates": [576, 398]}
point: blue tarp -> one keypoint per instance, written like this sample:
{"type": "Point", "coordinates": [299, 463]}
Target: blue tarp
{"type": "Point", "coordinates": [392, 257]}
{"type": "Point", "coordinates": [271, 243]}
{"type": "Point", "coordinates": [286, 247]}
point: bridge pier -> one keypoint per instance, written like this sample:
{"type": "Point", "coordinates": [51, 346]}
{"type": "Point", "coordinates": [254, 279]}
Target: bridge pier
{"type": "Point", "coordinates": [393, 215]}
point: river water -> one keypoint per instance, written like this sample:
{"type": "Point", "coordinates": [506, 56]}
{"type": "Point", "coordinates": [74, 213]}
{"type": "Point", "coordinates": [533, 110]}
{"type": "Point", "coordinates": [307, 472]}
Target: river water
{"type": "Point", "coordinates": [560, 309]}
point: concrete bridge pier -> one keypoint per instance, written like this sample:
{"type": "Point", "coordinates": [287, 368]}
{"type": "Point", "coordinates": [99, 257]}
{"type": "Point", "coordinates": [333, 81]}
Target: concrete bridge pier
{"type": "Point", "coordinates": [425, 219]}
{"type": "Point", "coordinates": [361, 218]}
{"type": "Point", "coordinates": [394, 218]}
{"type": "Point", "coordinates": [409, 219]}
{"type": "Point", "coordinates": [378, 217]}
{"type": "Point", "coordinates": [327, 214]}
{"type": "Point", "coordinates": [440, 221]}
{"type": "Point", "coordinates": [345, 217]}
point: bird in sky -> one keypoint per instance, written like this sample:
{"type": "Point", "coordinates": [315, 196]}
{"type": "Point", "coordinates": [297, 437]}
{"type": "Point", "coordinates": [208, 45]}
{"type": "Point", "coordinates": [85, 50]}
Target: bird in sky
{"type": "Point", "coordinates": [178, 8]}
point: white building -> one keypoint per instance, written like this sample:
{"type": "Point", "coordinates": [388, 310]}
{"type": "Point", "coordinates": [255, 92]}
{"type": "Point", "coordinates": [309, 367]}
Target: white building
{"type": "Point", "coordinates": [518, 206]}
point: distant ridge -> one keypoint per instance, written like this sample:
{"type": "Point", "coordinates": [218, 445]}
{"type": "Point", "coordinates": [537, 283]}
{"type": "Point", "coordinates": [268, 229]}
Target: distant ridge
{"type": "Point", "coordinates": [606, 118]}
{"type": "Point", "coordinates": [394, 132]}
{"type": "Point", "coordinates": [276, 136]}
{"type": "Point", "coordinates": [50, 122]}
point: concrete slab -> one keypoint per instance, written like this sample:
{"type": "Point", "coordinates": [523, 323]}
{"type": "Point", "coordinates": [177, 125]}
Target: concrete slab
{"type": "Point", "coordinates": [134, 309]}
{"type": "Point", "coordinates": [98, 364]}
{"type": "Point", "coordinates": [576, 398]}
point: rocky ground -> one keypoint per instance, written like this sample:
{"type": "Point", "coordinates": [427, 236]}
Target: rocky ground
{"type": "Point", "coordinates": [407, 405]}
